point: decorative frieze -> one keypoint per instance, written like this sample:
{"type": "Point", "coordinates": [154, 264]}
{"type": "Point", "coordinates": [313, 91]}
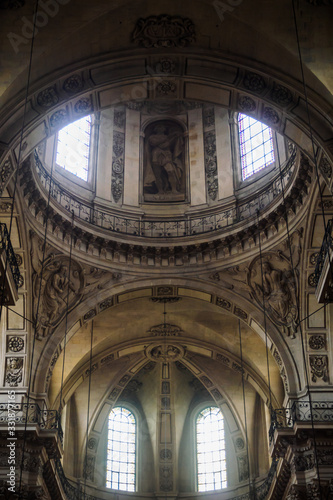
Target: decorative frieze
{"type": "Point", "coordinates": [164, 31]}
{"type": "Point", "coordinates": [118, 156]}
{"type": "Point", "coordinates": [319, 368]}
{"type": "Point", "coordinates": [210, 157]}
{"type": "Point", "coordinates": [14, 371]}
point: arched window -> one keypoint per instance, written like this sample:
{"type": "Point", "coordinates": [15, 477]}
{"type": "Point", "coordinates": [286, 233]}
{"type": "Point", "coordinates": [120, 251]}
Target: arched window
{"type": "Point", "coordinates": [211, 459]}
{"type": "Point", "coordinates": [73, 146]}
{"type": "Point", "coordinates": [121, 450]}
{"type": "Point", "coordinates": [256, 145]}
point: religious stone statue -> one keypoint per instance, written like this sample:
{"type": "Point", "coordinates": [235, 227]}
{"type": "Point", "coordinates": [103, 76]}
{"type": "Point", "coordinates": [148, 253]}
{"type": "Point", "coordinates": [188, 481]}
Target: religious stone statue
{"type": "Point", "coordinates": [164, 176]}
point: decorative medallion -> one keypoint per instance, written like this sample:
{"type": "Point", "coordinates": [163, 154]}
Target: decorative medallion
{"type": "Point", "coordinates": [319, 368]}
{"type": "Point", "coordinates": [317, 342]}
{"type": "Point", "coordinates": [281, 95]}
{"type": "Point", "coordinates": [106, 304]}
{"type": "Point", "coordinates": [205, 380]}
{"type": "Point", "coordinates": [164, 31]}
{"type": "Point", "coordinates": [107, 359]}
{"type": "Point", "coordinates": [90, 314]}
{"type": "Point", "coordinates": [166, 454]}
{"type": "Point", "coordinates": [254, 82]}
{"type": "Point", "coordinates": [313, 280]}
{"type": "Point", "coordinates": [47, 98]}
{"type": "Point", "coordinates": [165, 330]}
{"type": "Point", "coordinates": [166, 87]}
{"type": "Point", "coordinates": [73, 84]}
{"type": "Point", "coordinates": [92, 444]}
{"type": "Point", "coordinates": [163, 353]}
{"type": "Point", "coordinates": [225, 304]}
{"type": "Point", "coordinates": [239, 443]}
{"type": "Point", "coordinates": [313, 258]}
{"type": "Point", "coordinates": [271, 116]}
{"type": "Point", "coordinates": [59, 118]}
{"type": "Point", "coordinates": [83, 105]}
{"type": "Point", "coordinates": [246, 103]}
{"type": "Point", "coordinates": [165, 65]}
{"type": "Point", "coordinates": [15, 344]}
{"type": "Point", "coordinates": [223, 359]}
{"type": "Point", "coordinates": [216, 394]}
{"type": "Point", "coordinates": [240, 313]}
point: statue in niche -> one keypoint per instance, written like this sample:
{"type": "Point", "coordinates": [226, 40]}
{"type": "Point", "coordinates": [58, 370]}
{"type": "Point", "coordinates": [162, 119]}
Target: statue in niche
{"type": "Point", "coordinates": [14, 371]}
{"type": "Point", "coordinates": [164, 166]}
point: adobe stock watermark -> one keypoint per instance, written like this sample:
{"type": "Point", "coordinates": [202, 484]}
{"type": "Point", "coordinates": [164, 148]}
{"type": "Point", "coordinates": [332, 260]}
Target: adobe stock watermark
{"type": "Point", "coordinates": [225, 7]}
{"type": "Point", "coordinates": [46, 9]}
{"type": "Point", "coordinates": [11, 481]}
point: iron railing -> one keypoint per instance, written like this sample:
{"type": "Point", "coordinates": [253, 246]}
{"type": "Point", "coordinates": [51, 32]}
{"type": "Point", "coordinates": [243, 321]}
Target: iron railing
{"type": "Point", "coordinates": [6, 246]}
{"type": "Point", "coordinates": [31, 414]}
{"type": "Point", "coordinates": [324, 251]}
{"type": "Point", "coordinates": [257, 493]}
{"type": "Point", "coordinates": [300, 411]}
{"type": "Point", "coordinates": [162, 228]}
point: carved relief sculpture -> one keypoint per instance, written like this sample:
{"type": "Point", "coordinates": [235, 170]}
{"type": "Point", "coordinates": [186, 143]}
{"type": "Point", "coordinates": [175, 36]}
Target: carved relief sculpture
{"type": "Point", "coordinates": [164, 31]}
{"type": "Point", "coordinates": [274, 288]}
{"type": "Point", "coordinates": [164, 162]}
{"type": "Point", "coordinates": [57, 287]}
{"type": "Point", "coordinates": [14, 371]}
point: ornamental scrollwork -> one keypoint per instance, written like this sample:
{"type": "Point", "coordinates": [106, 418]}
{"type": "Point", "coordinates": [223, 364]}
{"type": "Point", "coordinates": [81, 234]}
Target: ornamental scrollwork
{"type": "Point", "coordinates": [164, 31]}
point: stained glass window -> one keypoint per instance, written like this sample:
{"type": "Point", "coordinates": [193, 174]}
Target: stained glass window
{"type": "Point", "coordinates": [73, 147]}
{"type": "Point", "coordinates": [211, 459]}
{"type": "Point", "coordinates": [121, 450]}
{"type": "Point", "coordinates": [256, 145]}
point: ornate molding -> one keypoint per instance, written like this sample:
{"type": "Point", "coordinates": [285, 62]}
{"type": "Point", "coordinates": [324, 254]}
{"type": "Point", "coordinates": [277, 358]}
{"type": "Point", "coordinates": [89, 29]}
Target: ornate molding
{"type": "Point", "coordinates": [164, 31]}
{"type": "Point", "coordinates": [165, 330]}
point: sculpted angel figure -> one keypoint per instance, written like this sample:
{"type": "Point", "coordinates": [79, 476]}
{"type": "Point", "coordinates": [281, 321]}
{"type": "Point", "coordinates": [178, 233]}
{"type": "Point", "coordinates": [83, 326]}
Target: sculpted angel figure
{"type": "Point", "coordinates": [277, 294]}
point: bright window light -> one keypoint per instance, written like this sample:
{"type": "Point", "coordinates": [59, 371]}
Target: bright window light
{"type": "Point", "coordinates": [256, 145]}
{"type": "Point", "coordinates": [121, 452]}
{"type": "Point", "coordinates": [211, 460]}
{"type": "Point", "coordinates": [73, 147]}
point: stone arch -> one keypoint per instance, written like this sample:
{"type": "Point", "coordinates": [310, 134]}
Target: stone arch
{"type": "Point", "coordinates": [248, 313]}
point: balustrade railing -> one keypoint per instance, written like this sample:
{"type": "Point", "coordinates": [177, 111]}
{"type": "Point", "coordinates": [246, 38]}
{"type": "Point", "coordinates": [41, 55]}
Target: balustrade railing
{"type": "Point", "coordinates": [300, 411]}
{"type": "Point", "coordinates": [324, 250]}
{"type": "Point", "coordinates": [30, 414]}
{"type": "Point", "coordinates": [258, 493]}
{"type": "Point", "coordinates": [161, 228]}
{"type": "Point", "coordinates": [6, 246]}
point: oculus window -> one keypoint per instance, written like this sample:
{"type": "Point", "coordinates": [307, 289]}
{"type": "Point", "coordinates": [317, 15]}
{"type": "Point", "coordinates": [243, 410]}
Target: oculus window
{"type": "Point", "coordinates": [256, 145]}
{"type": "Point", "coordinates": [121, 450]}
{"type": "Point", "coordinates": [210, 441]}
{"type": "Point", "coordinates": [73, 146]}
